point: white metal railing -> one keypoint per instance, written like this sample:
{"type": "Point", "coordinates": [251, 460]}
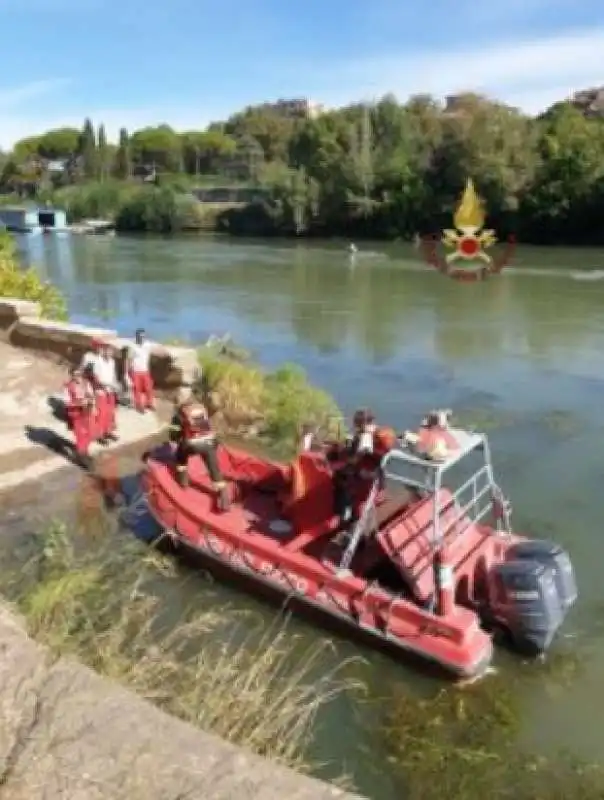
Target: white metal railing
{"type": "Point", "coordinates": [468, 513]}
{"type": "Point", "coordinates": [367, 516]}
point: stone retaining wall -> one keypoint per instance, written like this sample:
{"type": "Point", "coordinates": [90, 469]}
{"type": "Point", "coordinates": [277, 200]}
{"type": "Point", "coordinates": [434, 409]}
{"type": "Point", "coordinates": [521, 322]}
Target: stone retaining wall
{"type": "Point", "coordinates": [65, 732]}
{"type": "Point", "coordinates": [22, 325]}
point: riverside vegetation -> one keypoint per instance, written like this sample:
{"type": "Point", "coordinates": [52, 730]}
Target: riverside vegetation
{"type": "Point", "coordinates": [26, 284]}
{"type": "Point", "coordinates": [85, 592]}
{"type": "Point", "coordinates": [384, 170]}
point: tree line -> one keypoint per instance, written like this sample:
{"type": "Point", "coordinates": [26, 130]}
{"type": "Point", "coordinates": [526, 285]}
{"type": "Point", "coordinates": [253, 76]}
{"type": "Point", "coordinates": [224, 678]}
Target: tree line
{"type": "Point", "coordinates": [384, 170]}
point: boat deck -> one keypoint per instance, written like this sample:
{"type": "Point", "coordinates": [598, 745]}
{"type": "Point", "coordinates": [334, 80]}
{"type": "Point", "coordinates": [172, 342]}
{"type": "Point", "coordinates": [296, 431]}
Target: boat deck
{"type": "Point", "coordinates": [404, 524]}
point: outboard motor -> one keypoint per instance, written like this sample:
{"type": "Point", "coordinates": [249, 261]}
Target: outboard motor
{"type": "Point", "coordinates": [531, 592]}
{"type": "Point", "coordinates": [554, 556]}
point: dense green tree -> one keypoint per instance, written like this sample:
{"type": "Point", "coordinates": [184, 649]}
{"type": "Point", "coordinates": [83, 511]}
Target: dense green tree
{"type": "Point", "coordinates": [383, 169]}
{"type": "Point", "coordinates": [58, 143]}
{"type": "Point", "coordinates": [207, 152]}
{"type": "Point", "coordinates": [565, 201]}
{"type": "Point", "coordinates": [25, 149]}
{"type": "Point", "coordinates": [291, 201]}
{"type": "Point", "coordinates": [158, 147]}
{"type": "Point", "coordinates": [271, 126]}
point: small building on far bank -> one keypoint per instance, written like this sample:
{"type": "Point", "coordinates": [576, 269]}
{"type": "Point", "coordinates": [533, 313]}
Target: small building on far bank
{"type": "Point", "coordinates": [32, 220]}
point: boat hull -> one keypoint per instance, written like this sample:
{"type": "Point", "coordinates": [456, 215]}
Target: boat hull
{"type": "Point", "coordinates": [456, 644]}
{"type": "Point", "coordinates": [329, 618]}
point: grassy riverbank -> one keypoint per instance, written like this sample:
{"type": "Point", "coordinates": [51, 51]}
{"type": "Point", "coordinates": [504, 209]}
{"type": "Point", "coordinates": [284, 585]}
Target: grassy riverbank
{"type": "Point", "coordinates": [26, 284]}
{"type": "Point", "coordinates": [215, 669]}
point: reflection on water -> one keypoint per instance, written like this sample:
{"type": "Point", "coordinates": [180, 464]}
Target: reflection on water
{"type": "Point", "coordinates": [522, 353]}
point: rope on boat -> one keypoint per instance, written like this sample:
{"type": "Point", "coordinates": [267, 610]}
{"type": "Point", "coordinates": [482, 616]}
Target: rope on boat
{"type": "Point", "coordinates": [242, 555]}
{"type": "Point", "coordinates": [343, 607]}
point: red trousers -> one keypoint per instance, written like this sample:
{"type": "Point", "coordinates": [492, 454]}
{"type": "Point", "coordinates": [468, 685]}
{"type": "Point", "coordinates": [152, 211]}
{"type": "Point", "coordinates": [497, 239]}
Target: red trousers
{"type": "Point", "coordinates": [106, 403]}
{"type": "Point", "coordinates": [142, 390]}
{"type": "Point", "coordinates": [82, 424]}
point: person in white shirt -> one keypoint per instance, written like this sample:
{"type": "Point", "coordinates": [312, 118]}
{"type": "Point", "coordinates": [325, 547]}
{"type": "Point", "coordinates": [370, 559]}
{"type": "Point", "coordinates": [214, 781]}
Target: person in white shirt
{"type": "Point", "coordinates": [139, 372]}
{"type": "Point", "coordinates": [91, 354]}
{"type": "Point", "coordinates": [106, 387]}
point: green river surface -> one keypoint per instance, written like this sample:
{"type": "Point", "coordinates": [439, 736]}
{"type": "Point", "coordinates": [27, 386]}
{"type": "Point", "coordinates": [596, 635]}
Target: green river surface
{"type": "Point", "coordinates": [521, 355]}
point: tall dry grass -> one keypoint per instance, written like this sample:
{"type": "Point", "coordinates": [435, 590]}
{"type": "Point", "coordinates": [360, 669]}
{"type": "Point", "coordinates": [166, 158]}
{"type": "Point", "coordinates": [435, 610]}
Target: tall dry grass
{"type": "Point", "coordinates": [216, 669]}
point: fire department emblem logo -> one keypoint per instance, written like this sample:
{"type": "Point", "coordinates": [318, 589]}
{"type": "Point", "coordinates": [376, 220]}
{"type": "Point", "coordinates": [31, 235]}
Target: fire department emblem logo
{"type": "Point", "coordinates": [463, 253]}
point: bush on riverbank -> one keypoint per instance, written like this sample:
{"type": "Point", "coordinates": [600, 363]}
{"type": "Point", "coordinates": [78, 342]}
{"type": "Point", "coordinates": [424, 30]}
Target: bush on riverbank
{"type": "Point", "coordinates": [154, 209]}
{"type": "Point", "coordinates": [99, 603]}
{"type": "Point", "coordinates": [135, 208]}
{"type": "Point", "coordinates": [94, 200]}
{"type": "Point", "coordinates": [272, 405]}
{"type": "Point", "coordinates": [27, 284]}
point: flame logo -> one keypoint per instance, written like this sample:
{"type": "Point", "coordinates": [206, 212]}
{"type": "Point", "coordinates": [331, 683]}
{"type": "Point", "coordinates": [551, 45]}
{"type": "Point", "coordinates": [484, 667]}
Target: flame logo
{"type": "Point", "coordinates": [468, 241]}
{"type": "Point", "coordinates": [470, 211]}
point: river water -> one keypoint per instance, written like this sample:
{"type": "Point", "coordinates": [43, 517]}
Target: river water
{"type": "Point", "coordinates": [521, 355]}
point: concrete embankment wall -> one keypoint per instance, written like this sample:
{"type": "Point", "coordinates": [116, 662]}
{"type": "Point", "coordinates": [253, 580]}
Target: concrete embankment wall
{"type": "Point", "coordinates": [22, 325]}
{"type": "Point", "coordinates": [66, 732]}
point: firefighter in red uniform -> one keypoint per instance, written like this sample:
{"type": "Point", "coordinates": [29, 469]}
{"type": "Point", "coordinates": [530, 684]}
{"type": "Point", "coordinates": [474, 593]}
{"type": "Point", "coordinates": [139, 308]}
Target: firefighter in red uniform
{"type": "Point", "coordinates": [364, 452]}
{"type": "Point", "coordinates": [192, 431]}
{"type": "Point", "coordinates": [80, 408]}
{"type": "Point", "coordinates": [106, 387]}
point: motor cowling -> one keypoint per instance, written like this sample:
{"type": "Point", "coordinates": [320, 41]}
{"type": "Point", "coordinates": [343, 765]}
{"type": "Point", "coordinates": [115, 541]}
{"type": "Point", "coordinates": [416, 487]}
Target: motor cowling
{"type": "Point", "coordinates": [531, 592]}
{"type": "Point", "coordinates": [554, 556]}
{"type": "Point", "coordinates": [524, 602]}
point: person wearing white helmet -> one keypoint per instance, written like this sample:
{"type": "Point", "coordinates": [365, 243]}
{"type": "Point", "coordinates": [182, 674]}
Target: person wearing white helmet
{"type": "Point", "coordinates": [433, 441]}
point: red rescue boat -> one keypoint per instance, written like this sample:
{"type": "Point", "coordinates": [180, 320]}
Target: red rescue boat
{"type": "Point", "coordinates": [427, 564]}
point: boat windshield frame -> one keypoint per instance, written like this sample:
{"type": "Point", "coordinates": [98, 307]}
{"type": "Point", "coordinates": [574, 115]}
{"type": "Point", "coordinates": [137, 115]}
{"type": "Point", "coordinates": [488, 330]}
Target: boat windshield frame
{"type": "Point", "coordinates": [427, 476]}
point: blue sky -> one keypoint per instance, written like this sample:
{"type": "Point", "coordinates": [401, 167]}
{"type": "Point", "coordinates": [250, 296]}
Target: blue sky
{"type": "Point", "coordinates": [188, 62]}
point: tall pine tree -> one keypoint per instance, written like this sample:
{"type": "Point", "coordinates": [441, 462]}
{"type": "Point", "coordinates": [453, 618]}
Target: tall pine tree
{"type": "Point", "coordinates": [123, 165]}
{"type": "Point", "coordinates": [88, 151]}
{"type": "Point", "coordinates": [103, 153]}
